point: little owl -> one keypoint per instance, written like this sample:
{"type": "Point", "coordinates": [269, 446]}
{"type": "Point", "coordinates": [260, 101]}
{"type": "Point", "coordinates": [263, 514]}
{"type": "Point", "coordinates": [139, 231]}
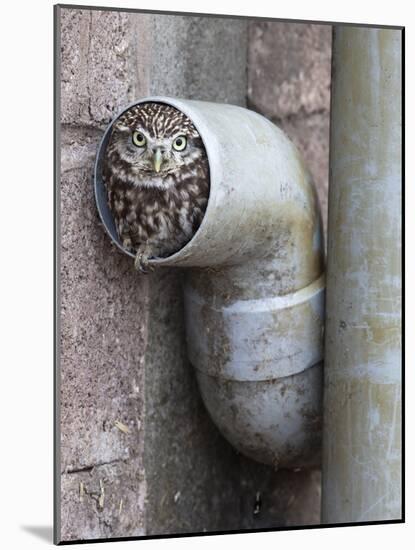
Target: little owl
{"type": "Point", "coordinates": [157, 179]}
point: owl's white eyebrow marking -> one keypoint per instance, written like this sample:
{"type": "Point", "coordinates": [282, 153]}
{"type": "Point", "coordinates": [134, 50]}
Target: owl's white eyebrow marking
{"type": "Point", "coordinates": [180, 133]}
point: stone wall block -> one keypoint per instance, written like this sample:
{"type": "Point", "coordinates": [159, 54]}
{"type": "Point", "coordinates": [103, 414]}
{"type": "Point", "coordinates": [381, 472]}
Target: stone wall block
{"type": "Point", "coordinates": [200, 58]}
{"type": "Point", "coordinates": [103, 323]}
{"type": "Point", "coordinates": [289, 68]}
{"type": "Point", "coordinates": [97, 65]}
{"type": "Point", "coordinates": [106, 501]}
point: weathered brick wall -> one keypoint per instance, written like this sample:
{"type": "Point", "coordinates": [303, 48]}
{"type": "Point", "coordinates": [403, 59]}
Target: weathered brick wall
{"type": "Point", "coordinates": [289, 75]}
{"type": "Point", "coordinates": [122, 352]}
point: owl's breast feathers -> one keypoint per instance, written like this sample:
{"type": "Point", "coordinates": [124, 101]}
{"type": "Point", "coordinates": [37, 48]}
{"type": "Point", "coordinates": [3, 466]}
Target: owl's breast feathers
{"type": "Point", "coordinates": [165, 218]}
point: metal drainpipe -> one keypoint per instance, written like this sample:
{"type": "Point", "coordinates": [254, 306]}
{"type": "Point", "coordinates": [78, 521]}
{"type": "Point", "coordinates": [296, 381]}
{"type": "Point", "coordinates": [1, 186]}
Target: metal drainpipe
{"type": "Point", "coordinates": [254, 287]}
{"type": "Point", "coordinates": [362, 403]}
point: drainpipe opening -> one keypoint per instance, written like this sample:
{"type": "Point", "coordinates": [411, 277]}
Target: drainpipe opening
{"type": "Point", "coordinates": [101, 193]}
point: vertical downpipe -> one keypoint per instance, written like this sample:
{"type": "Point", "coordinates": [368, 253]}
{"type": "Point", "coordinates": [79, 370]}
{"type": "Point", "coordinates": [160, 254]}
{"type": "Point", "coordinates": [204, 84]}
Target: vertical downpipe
{"type": "Point", "coordinates": [362, 403]}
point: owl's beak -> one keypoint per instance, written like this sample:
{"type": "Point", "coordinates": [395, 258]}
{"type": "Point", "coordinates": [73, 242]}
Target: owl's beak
{"type": "Point", "coordinates": [157, 160]}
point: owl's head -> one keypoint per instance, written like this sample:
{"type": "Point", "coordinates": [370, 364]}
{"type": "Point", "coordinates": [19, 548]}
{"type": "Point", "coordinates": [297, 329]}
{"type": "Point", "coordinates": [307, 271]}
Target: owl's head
{"type": "Point", "coordinates": [151, 142]}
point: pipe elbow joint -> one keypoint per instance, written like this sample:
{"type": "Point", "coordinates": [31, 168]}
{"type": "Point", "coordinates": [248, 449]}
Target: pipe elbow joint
{"type": "Point", "coordinates": [254, 287]}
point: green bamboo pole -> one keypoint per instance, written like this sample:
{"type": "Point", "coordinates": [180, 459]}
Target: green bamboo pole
{"type": "Point", "coordinates": [362, 403]}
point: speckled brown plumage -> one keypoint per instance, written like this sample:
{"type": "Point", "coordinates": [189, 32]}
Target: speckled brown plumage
{"type": "Point", "coordinates": [157, 193]}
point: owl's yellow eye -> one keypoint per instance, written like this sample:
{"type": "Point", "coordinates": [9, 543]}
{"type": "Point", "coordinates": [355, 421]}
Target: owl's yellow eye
{"type": "Point", "coordinates": [138, 139]}
{"type": "Point", "coordinates": [180, 143]}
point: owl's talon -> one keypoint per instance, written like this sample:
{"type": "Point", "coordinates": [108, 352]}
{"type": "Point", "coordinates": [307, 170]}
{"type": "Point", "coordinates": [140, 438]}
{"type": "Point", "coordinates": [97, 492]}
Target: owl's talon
{"type": "Point", "coordinates": [140, 262]}
{"type": "Point", "coordinates": [127, 244]}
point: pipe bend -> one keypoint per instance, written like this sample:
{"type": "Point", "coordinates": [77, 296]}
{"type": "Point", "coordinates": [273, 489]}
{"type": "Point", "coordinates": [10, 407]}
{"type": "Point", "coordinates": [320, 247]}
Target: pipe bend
{"type": "Point", "coordinates": [254, 287]}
